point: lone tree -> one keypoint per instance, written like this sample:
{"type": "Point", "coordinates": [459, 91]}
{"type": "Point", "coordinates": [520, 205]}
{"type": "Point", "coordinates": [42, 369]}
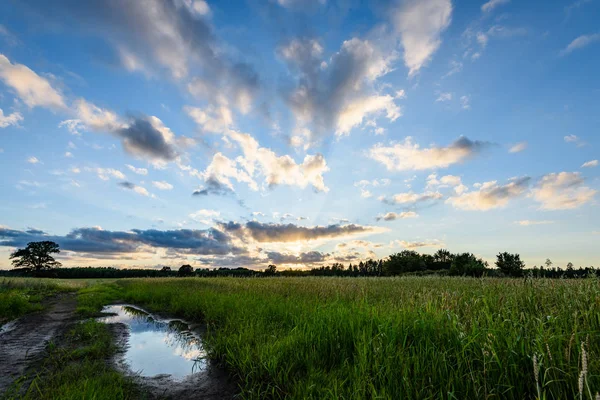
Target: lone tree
{"type": "Point", "coordinates": [186, 270]}
{"type": "Point", "coordinates": [510, 264]}
{"type": "Point", "coordinates": [36, 256]}
{"type": "Point", "coordinates": [271, 270]}
{"type": "Point", "coordinates": [467, 264]}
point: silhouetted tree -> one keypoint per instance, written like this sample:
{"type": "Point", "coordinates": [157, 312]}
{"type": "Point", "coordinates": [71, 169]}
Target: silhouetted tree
{"type": "Point", "coordinates": [510, 264]}
{"type": "Point", "coordinates": [271, 270]}
{"type": "Point", "coordinates": [165, 269]}
{"type": "Point", "coordinates": [405, 261]}
{"type": "Point", "coordinates": [467, 264]}
{"type": "Point", "coordinates": [36, 256]}
{"type": "Point", "coordinates": [570, 267]}
{"type": "Point", "coordinates": [186, 270]}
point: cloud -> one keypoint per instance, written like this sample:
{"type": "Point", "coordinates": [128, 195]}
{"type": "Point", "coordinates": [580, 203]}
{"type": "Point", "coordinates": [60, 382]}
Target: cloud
{"type": "Point", "coordinates": [465, 102]}
{"type": "Point", "coordinates": [392, 216]}
{"type": "Point", "coordinates": [575, 140]}
{"type": "Point", "coordinates": [562, 191]}
{"type": "Point", "coordinates": [590, 164]}
{"type": "Point", "coordinates": [106, 173]}
{"type": "Point", "coordinates": [162, 185]}
{"type": "Point", "coordinates": [580, 42]}
{"type": "Point", "coordinates": [276, 233]}
{"type": "Point", "coordinates": [528, 222]}
{"type": "Point", "coordinates": [420, 24]}
{"type": "Point", "coordinates": [148, 137]}
{"type": "Point", "coordinates": [444, 97]}
{"type": "Point", "coordinates": [415, 245]}
{"type": "Point", "coordinates": [374, 182]}
{"type": "Point", "coordinates": [139, 171]}
{"type": "Point", "coordinates": [337, 95]}
{"type": "Point", "coordinates": [33, 160]}
{"type": "Point", "coordinates": [10, 119]}
{"type": "Point", "coordinates": [405, 155]}
{"type": "Point", "coordinates": [96, 241]}
{"type": "Point", "coordinates": [134, 187]}
{"type": "Point", "coordinates": [490, 5]}
{"type": "Point", "coordinates": [212, 187]}
{"type": "Point", "coordinates": [490, 195]}
{"type": "Point", "coordinates": [277, 170]}
{"type": "Point", "coordinates": [30, 87]}
{"type": "Point", "coordinates": [156, 35]}
{"type": "Point", "coordinates": [517, 148]}
{"type": "Point", "coordinates": [204, 216]}
{"type": "Point", "coordinates": [412, 198]}
{"type": "Point", "coordinates": [310, 257]}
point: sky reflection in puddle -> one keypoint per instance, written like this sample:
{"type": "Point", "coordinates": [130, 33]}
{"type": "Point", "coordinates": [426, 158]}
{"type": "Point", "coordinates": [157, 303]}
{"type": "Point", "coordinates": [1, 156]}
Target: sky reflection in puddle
{"type": "Point", "coordinates": [155, 346]}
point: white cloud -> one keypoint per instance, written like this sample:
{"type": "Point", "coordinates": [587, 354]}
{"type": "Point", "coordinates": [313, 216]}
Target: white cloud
{"type": "Point", "coordinates": [416, 245]}
{"type": "Point", "coordinates": [490, 5]}
{"type": "Point", "coordinates": [213, 119]}
{"type": "Point", "coordinates": [10, 119]}
{"type": "Point", "coordinates": [343, 94]}
{"type": "Point", "coordinates": [137, 189]}
{"type": "Point", "coordinates": [528, 222]}
{"type": "Point", "coordinates": [365, 193]}
{"type": "Point", "coordinates": [68, 154]}
{"type": "Point", "coordinates": [33, 160]}
{"type": "Point", "coordinates": [162, 185]}
{"type": "Point", "coordinates": [392, 216]}
{"type": "Point", "coordinates": [412, 198]}
{"type": "Point", "coordinates": [562, 191]}
{"type": "Point", "coordinates": [205, 216]}
{"type": "Point", "coordinates": [465, 102]}
{"type": "Point", "coordinates": [490, 195]}
{"type": "Point", "coordinates": [589, 164]}
{"type": "Point", "coordinates": [355, 112]}
{"type": "Point", "coordinates": [106, 173]}
{"type": "Point", "coordinates": [139, 171]}
{"type": "Point", "coordinates": [517, 148]}
{"type": "Point", "coordinates": [580, 42]}
{"type": "Point", "coordinates": [75, 126]}
{"type": "Point", "coordinates": [444, 97]}
{"type": "Point", "coordinates": [29, 86]}
{"type": "Point", "coordinates": [420, 24]}
{"type": "Point", "coordinates": [409, 156]}
{"type": "Point", "coordinates": [575, 140]}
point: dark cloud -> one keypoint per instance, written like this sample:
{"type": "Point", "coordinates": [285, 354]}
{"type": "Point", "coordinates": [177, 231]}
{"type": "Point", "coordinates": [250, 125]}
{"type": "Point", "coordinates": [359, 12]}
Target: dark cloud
{"type": "Point", "coordinates": [310, 257]}
{"type": "Point", "coordinates": [141, 138]}
{"type": "Point", "coordinates": [268, 232]}
{"type": "Point", "coordinates": [98, 241]}
{"type": "Point", "coordinates": [127, 185]}
{"type": "Point", "coordinates": [213, 187]}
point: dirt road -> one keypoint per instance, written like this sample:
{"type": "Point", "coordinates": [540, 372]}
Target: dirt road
{"type": "Point", "coordinates": [22, 342]}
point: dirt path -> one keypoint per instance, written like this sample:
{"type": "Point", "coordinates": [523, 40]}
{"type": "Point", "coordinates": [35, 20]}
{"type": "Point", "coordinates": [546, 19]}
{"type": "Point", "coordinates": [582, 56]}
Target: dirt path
{"type": "Point", "coordinates": [22, 343]}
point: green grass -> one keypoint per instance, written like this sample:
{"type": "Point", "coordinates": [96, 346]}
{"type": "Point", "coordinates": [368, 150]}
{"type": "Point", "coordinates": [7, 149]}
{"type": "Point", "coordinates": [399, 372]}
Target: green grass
{"type": "Point", "coordinates": [20, 296]}
{"type": "Point", "coordinates": [426, 338]}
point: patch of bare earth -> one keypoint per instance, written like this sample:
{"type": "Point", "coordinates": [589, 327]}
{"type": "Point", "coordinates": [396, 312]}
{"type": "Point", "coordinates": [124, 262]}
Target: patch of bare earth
{"type": "Point", "coordinates": [22, 342]}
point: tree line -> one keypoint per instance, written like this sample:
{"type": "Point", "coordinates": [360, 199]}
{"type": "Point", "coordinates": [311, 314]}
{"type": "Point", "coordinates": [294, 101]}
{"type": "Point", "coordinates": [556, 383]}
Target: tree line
{"type": "Point", "coordinates": [36, 259]}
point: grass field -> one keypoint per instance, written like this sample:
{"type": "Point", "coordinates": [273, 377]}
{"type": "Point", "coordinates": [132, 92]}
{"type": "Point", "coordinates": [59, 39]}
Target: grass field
{"type": "Point", "coordinates": [363, 338]}
{"type": "Point", "coordinates": [451, 338]}
{"type": "Point", "coordinates": [19, 296]}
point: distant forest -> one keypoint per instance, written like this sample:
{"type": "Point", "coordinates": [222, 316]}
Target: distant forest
{"type": "Point", "coordinates": [442, 263]}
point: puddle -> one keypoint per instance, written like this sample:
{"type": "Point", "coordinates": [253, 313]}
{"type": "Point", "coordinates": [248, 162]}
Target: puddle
{"type": "Point", "coordinates": [157, 346]}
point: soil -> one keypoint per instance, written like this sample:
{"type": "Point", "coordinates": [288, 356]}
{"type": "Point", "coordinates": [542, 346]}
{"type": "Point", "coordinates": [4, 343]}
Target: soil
{"type": "Point", "coordinates": [22, 342]}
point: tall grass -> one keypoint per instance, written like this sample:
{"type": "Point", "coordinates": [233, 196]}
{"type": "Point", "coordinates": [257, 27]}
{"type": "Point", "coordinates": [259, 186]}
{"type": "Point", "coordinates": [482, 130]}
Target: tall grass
{"type": "Point", "coordinates": [443, 338]}
{"type": "Point", "coordinates": [19, 296]}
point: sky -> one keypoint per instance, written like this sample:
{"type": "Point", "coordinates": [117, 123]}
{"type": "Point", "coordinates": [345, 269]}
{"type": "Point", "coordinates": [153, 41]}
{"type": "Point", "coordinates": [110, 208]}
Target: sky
{"type": "Point", "coordinates": [299, 132]}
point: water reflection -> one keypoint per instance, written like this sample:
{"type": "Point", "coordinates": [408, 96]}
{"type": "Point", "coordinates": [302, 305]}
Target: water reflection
{"type": "Point", "coordinates": [157, 346]}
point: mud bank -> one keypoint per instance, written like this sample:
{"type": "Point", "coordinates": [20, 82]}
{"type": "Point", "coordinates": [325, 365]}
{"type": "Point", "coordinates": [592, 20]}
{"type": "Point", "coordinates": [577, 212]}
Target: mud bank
{"type": "Point", "coordinates": [23, 341]}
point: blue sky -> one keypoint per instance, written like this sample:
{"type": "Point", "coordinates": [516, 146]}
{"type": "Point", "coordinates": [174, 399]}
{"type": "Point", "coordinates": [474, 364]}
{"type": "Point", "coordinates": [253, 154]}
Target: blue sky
{"type": "Point", "coordinates": [299, 132]}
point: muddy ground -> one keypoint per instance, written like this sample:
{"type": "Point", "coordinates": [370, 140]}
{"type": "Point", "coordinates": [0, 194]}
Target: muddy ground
{"type": "Point", "coordinates": [23, 343]}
